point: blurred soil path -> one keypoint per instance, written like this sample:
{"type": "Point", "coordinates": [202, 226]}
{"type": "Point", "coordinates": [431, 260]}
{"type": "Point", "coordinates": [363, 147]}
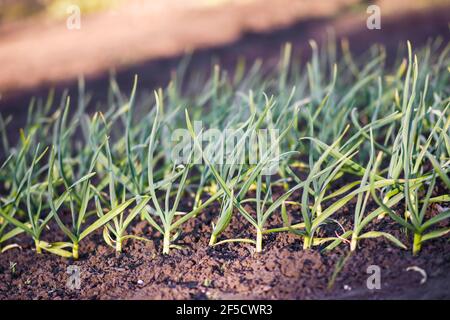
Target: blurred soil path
{"type": "Point", "coordinates": [43, 51]}
{"type": "Point", "coordinates": [149, 37]}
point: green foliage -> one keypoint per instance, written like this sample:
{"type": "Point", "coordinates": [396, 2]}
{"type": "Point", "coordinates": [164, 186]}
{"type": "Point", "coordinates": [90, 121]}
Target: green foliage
{"type": "Point", "coordinates": [351, 134]}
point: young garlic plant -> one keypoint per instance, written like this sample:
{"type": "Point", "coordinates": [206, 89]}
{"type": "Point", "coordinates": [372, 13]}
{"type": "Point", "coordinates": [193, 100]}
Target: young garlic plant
{"type": "Point", "coordinates": [413, 185]}
{"type": "Point", "coordinates": [233, 176]}
{"type": "Point", "coordinates": [79, 213]}
{"type": "Point", "coordinates": [316, 185]}
{"type": "Point", "coordinates": [410, 150]}
{"type": "Point", "coordinates": [36, 221]}
{"type": "Point", "coordinates": [79, 194]}
{"type": "Point", "coordinates": [360, 219]}
{"type": "Point", "coordinates": [114, 232]}
{"type": "Point", "coordinates": [167, 212]}
{"type": "Point", "coordinates": [14, 174]}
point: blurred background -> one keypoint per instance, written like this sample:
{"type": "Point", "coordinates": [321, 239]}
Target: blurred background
{"type": "Point", "coordinates": [40, 49]}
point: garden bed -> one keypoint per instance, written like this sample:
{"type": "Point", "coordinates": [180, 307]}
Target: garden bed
{"type": "Point", "coordinates": [361, 182]}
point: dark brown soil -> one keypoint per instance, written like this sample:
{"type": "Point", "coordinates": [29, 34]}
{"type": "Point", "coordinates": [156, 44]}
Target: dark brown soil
{"type": "Point", "coordinates": [230, 271]}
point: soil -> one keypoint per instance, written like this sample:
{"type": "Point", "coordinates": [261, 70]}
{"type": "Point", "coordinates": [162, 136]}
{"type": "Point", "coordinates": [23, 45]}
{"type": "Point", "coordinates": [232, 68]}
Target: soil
{"type": "Point", "coordinates": [230, 271]}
